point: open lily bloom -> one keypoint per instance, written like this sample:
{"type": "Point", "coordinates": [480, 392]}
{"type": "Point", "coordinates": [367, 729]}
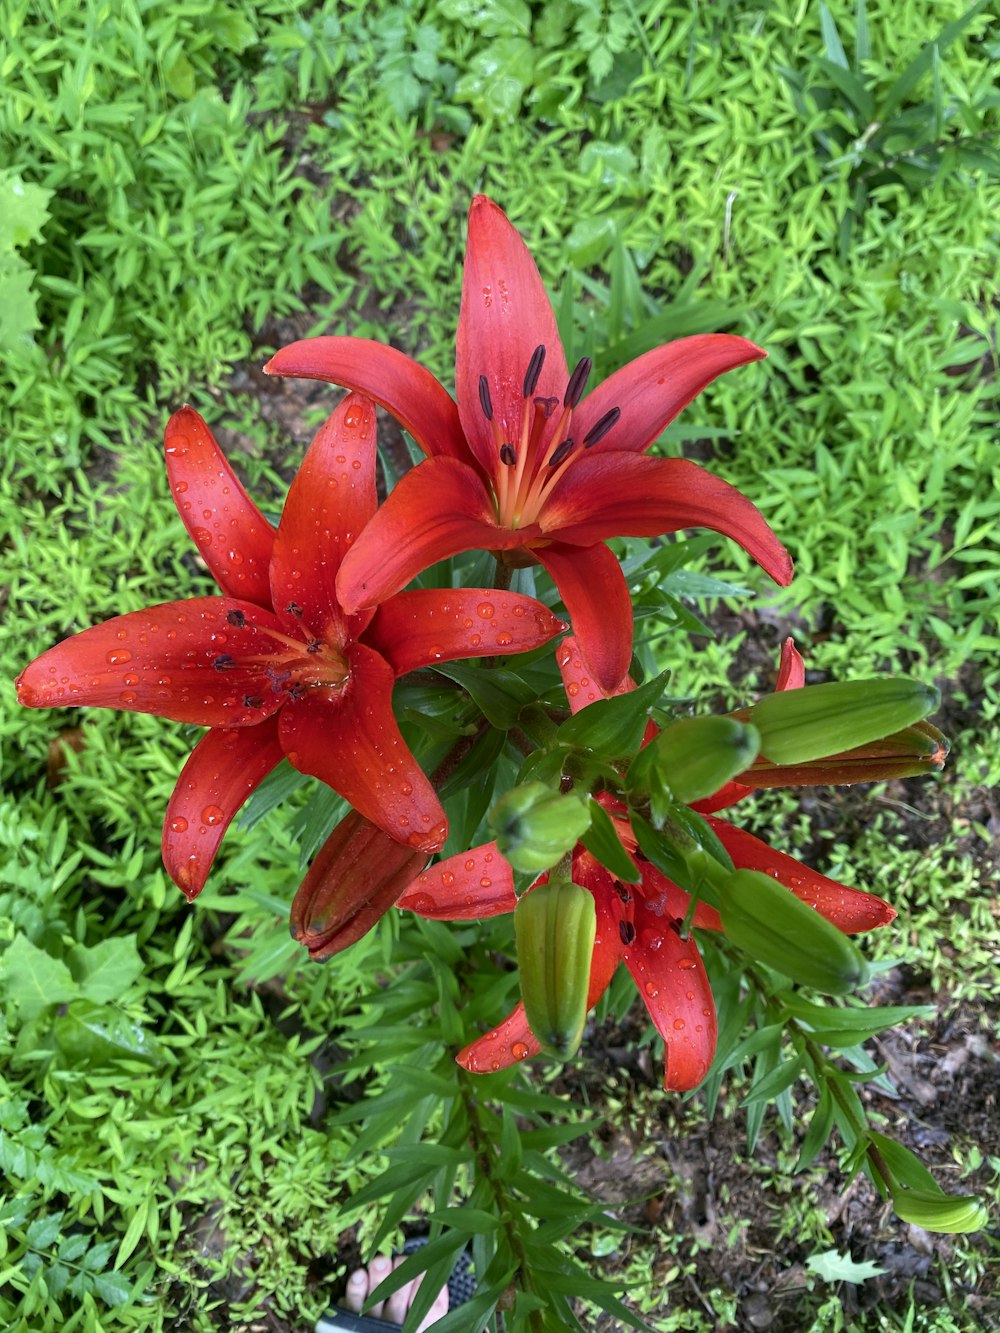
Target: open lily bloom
{"type": "Point", "coordinates": [275, 666]}
{"type": "Point", "coordinates": [637, 924]}
{"type": "Point", "coordinates": [524, 465]}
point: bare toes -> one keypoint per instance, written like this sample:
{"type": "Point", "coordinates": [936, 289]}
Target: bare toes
{"type": "Point", "coordinates": [357, 1291]}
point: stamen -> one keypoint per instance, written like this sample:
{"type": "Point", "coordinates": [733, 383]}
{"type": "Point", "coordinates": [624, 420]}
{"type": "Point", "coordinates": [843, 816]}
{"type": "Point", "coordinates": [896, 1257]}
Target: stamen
{"type": "Point", "coordinates": [508, 455]}
{"type": "Point", "coordinates": [562, 452]}
{"type": "Point", "coordinates": [314, 646]}
{"type": "Point", "coordinates": [294, 609]}
{"type": "Point", "coordinates": [224, 662]}
{"type": "Point", "coordinates": [547, 406]}
{"type": "Point", "coordinates": [601, 427]}
{"type": "Point", "coordinates": [485, 402]}
{"type": "Point", "coordinates": [627, 931]}
{"type": "Point", "coordinates": [236, 618]}
{"type": "Point", "coordinates": [534, 370]}
{"type": "Point", "coordinates": [252, 701]}
{"type": "Point", "coordinates": [577, 382]}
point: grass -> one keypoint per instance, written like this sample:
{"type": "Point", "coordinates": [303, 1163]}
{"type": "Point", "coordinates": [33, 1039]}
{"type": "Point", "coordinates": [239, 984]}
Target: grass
{"type": "Point", "coordinates": [199, 182]}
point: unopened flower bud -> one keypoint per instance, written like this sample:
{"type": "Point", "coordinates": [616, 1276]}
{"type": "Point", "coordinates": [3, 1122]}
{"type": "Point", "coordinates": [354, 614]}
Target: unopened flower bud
{"type": "Point", "coordinates": [555, 925]}
{"type": "Point", "coordinates": [695, 757]}
{"type": "Point", "coordinates": [535, 825]}
{"type": "Point", "coordinates": [764, 918]}
{"type": "Point", "coordinates": [357, 875]}
{"type": "Point", "coordinates": [797, 726]}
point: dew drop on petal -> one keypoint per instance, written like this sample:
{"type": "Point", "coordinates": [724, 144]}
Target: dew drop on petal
{"type": "Point", "coordinates": [651, 990]}
{"type": "Point", "coordinates": [572, 689]}
{"type": "Point", "coordinates": [212, 814]}
{"type": "Point", "coordinates": [128, 697]}
{"type": "Point", "coordinates": [519, 1050]}
{"type": "Point", "coordinates": [486, 610]}
{"type": "Point", "coordinates": [686, 964]}
{"type": "Point", "coordinates": [447, 879]}
{"type": "Point", "coordinates": [131, 679]}
{"type": "Point", "coordinates": [421, 902]}
{"type": "Point", "coordinates": [504, 640]}
{"type": "Point", "coordinates": [178, 825]}
{"type": "Point", "coordinates": [118, 657]}
{"type": "Point", "coordinates": [678, 1024]}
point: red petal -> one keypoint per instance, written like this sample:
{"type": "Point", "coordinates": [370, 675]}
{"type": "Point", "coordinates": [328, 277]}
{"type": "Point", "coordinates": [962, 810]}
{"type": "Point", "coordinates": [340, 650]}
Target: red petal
{"type": "Point", "coordinates": [416, 629]}
{"type": "Point", "coordinates": [851, 910]}
{"type": "Point", "coordinates": [653, 389]}
{"type": "Point", "coordinates": [162, 660]}
{"type": "Point", "coordinates": [221, 772]}
{"type": "Point", "coordinates": [350, 741]}
{"type": "Point", "coordinates": [671, 979]}
{"type": "Point", "coordinates": [630, 495]}
{"type": "Point", "coordinates": [509, 1043]}
{"type": "Point", "coordinates": [331, 499]}
{"type": "Point", "coordinates": [440, 508]}
{"type": "Point", "coordinates": [233, 536]}
{"type": "Point", "coordinates": [414, 397]}
{"type": "Point", "coordinates": [467, 887]}
{"type": "Point", "coordinates": [356, 877]}
{"type": "Point", "coordinates": [505, 315]}
{"type": "Point", "coordinates": [593, 588]}
{"type": "Point", "coordinates": [578, 678]}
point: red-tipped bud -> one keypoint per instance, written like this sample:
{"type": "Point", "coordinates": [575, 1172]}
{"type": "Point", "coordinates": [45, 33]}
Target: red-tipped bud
{"type": "Point", "coordinates": [356, 877]}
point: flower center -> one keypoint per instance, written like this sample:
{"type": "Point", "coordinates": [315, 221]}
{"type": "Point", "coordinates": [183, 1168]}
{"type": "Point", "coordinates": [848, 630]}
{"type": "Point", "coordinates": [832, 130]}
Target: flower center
{"type": "Point", "coordinates": [531, 463]}
{"type": "Point", "coordinates": [309, 663]}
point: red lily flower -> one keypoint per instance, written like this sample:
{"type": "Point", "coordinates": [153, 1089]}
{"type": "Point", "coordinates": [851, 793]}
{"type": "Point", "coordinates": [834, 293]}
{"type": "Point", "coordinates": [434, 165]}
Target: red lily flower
{"type": "Point", "coordinates": [637, 924]}
{"type": "Point", "coordinates": [524, 468]}
{"type": "Point", "coordinates": [275, 666]}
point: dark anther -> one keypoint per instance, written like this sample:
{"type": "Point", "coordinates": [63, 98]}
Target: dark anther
{"type": "Point", "coordinates": [601, 427]}
{"type": "Point", "coordinates": [547, 406]}
{"type": "Point", "coordinates": [561, 453]}
{"type": "Point", "coordinates": [508, 455]}
{"type": "Point", "coordinates": [534, 370]}
{"type": "Point", "coordinates": [627, 931]}
{"type": "Point", "coordinates": [622, 891]}
{"type": "Point", "coordinates": [293, 609]}
{"type": "Point", "coordinates": [577, 382]}
{"type": "Point", "coordinates": [675, 924]}
{"type": "Point", "coordinates": [252, 701]}
{"type": "Point", "coordinates": [223, 662]}
{"type": "Point", "coordinates": [314, 645]}
{"type": "Point", "coordinates": [236, 618]}
{"type": "Point", "coordinates": [296, 690]}
{"type": "Point", "coordinates": [485, 402]}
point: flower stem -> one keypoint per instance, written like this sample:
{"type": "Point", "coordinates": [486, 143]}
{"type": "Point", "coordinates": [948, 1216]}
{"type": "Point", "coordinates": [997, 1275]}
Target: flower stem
{"type": "Point", "coordinates": [503, 575]}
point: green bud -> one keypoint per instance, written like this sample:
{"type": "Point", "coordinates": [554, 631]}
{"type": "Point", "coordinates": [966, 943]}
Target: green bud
{"type": "Point", "coordinates": [697, 756]}
{"type": "Point", "coordinates": [820, 720]}
{"type": "Point", "coordinates": [536, 826]}
{"type": "Point", "coordinates": [773, 926]}
{"type": "Point", "coordinates": [555, 925]}
{"type": "Point", "coordinates": [935, 1211]}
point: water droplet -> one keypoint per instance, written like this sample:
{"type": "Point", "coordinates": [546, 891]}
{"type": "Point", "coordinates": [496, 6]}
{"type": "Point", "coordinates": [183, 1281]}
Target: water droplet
{"type": "Point", "coordinates": [356, 465]}
{"type": "Point", "coordinates": [128, 697]}
{"type": "Point", "coordinates": [435, 651]}
{"type": "Point", "coordinates": [406, 789]}
{"type": "Point", "coordinates": [178, 825]}
{"type": "Point", "coordinates": [519, 1050]}
{"type": "Point", "coordinates": [650, 989]}
{"type": "Point", "coordinates": [118, 657]}
{"type": "Point", "coordinates": [686, 964]}
{"type": "Point", "coordinates": [131, 679]}
{"type": "Point", "coordinates": [180, 487]}
{"type": "Point", "coordinates": [485, 883]}
{"type": "Point", "coordinates": [447, 879]}
{"type": "Point", "coordinates": [678, 1024]}
{"type": "Point", "coordinates": [475, 640]}
{"type": "Point", "coordinates": [421, 902]}
{"type": "Point", "coordinates": [352, 420]}
{"type": "Point", "coordinates": [504, 640]}
{"type": "Point", "coordinates": [212, 814]}
{"type": "Point", "coordinates": [572, 689]}
{"type": "Point", "coordinates": [495, 1065]}
{"type": "Point", "coordinates": [202, 536]}
{"type": "Point", "coordinates": [486, 610]}
{"type": "Point", "coordinates": [470, 864]}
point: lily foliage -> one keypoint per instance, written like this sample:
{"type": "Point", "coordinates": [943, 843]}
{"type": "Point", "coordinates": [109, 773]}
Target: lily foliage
{"type": "Point", "coordinates": [345, 641]}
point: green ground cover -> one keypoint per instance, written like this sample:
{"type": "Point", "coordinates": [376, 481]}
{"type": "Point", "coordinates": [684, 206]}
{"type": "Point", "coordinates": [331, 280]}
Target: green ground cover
{"type": "Point", "coordinates": [182, 188]}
